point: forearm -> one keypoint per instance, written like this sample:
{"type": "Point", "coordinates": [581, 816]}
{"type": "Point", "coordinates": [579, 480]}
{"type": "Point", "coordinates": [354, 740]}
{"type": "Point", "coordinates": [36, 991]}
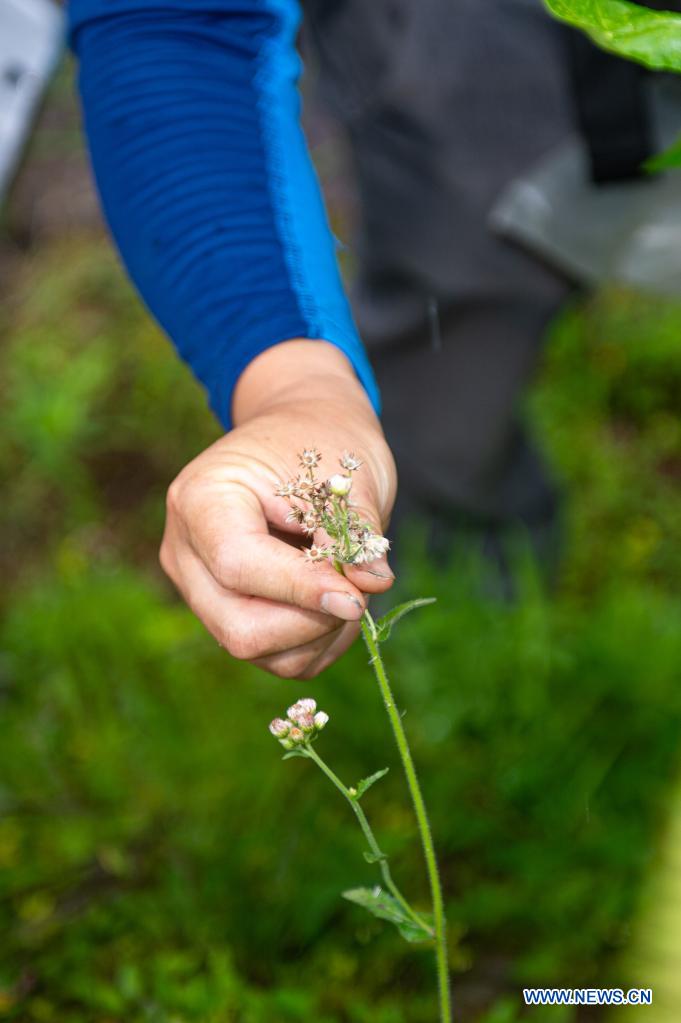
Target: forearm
{"type": "Point", "coordinates": [301, 372]}
{"type": "Point", "coordinates": [191, 109]}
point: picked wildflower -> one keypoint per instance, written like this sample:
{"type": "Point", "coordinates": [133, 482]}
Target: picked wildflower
{"type": "Point", "coordinates": [315, 553]}
{"type": "Point", "coordinates": [309, 458]}
{"type": "Point", "coordinates": [287, 489]}
{"type": "Point", "coordinates": [340, 485]}
{"type": "Point", "coordinates": [325, 505]}
{"type": "Point", "coordinates": [349, 461]}
{"type": "Point", "coordinates": [310, 523]}
{"type": "Point", "coordinates": [371, 547]}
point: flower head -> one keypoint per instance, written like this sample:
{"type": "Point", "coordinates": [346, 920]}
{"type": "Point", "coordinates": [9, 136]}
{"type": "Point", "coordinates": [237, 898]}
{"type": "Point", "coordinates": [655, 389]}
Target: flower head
{"type": "Point", "coordinates": [340, 485]}
{"type": "Point", "coordinates": [371, 547]}
{"type": "Point", "coordinates": [303, 724]}
{"type": "Point", "coordinates": [321, 719]}
{"type": "Point", "coordinates": [304, 706]}
{"type": "Point", "coordinates": [280, 728]}
{"type": "Point", "coordinates": [316, 553]}
{"type": "Point", "coordinates": [286, 489]}
{"type": "Point", "coordinates": [309, 458]}
{"type": "Point", "coordinates": [349, 461]}
{"type": "Point", "coordinates": [310, 522]}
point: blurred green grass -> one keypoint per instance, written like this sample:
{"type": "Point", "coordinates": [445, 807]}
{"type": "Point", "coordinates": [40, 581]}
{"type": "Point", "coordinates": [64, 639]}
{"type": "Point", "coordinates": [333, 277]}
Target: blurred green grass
{"type": "Point", "coordinates": [158, 862]}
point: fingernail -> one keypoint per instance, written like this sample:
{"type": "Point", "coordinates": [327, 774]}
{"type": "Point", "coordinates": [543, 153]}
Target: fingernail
{"type": "Point", "coordinates": [342, 605]}
{"type": "Point", "coordinates": [380, 568]}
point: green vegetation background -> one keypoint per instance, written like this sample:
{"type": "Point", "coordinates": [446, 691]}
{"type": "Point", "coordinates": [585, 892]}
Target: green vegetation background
{"type": "Point", "coordinates": [157, 861]}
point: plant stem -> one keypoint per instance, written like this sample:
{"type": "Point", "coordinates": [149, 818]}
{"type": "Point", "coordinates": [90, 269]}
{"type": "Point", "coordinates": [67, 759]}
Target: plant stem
{"type": "Point", "coordinates": [381, 858]}
{"type": "Point", "coordinates": [369, 632]}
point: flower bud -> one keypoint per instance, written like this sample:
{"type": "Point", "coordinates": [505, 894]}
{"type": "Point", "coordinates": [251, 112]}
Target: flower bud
{"type": "Point", "coordinates": [296, 736]}
{"type": "Point", "coordinates": [340, 485]}
{"type": "Point", "coordinates": [320, 720]}
{"type": "Point", "coordinates": [304, 706]}
{"type": "Point", "coordinates": [287, 743]}
{"type": "Point", "coordinates": [306, 723]}
{"type": "Point", "coordinates": [280, 728]}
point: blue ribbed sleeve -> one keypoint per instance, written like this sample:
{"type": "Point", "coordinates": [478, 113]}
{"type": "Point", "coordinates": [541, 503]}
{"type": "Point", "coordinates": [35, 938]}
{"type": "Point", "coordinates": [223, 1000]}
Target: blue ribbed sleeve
{"type": "Point", "coordinates": [192, 113]}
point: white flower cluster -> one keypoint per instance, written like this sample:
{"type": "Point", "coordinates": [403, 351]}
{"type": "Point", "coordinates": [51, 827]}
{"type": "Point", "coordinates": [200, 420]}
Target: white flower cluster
{"type": "Point", "coordinates": [302, 724]}
{"type": "Point", "coordinates": [325, 505]}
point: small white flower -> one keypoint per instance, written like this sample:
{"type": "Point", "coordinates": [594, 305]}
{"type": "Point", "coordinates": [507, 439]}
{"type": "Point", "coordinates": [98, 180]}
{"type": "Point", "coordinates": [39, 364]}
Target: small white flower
{"type": "Point", "coordinates": [340, 485]}
{"type": "Point", "coordinates": [286, 489]}
{"type": "Point", "coordinates": [320, 720]}
{"type": "Point", "coordinates": [309, 458]}
{"type": "Point", "coordinates": [315, 553]}
{"type": "Point", "coordinates": [280, 728]}
{"type": "Point", "coordinates": [350, 461]}
{"type": "Point", "coordinates": [372, 546]}
{"type": "Point", "coordinates": [310, 522]}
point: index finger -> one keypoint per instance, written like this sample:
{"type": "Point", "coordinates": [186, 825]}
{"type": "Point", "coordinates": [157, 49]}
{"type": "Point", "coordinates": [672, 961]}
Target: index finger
{"type": "Point", "coordinates": [231, 536]}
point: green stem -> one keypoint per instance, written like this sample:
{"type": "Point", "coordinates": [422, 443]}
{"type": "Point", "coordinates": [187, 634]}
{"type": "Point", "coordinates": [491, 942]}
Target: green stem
{"type": "Point", "coordinates": [369, 632]}
{"type": "Point", "coordinates": [381, 858]}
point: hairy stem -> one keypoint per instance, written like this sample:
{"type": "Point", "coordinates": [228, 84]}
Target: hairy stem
{"type": "Point", "coordinates": [381, 858]}
{"type": "Point", "coordinates": [369, 633]}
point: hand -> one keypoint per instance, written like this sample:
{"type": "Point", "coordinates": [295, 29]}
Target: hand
{"type": "Point", "coordinates": [227, 546]}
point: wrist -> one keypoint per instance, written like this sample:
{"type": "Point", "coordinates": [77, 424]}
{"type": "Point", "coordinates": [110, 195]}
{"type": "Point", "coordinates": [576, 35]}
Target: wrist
{"type": "Point", "coordinates": [298, 372]}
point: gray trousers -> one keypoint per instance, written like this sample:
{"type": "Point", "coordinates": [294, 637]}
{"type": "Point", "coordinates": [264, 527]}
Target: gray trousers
{"type": "Point", "coordinates": [444, 102]}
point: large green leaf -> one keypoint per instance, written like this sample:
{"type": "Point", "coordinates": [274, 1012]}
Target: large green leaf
{"type": "Point", "coordinates": [650, 37]}
{"type": "Point", "coordinates": [381, 904]}
{"type": "Point", "coordinates": [385, 624]}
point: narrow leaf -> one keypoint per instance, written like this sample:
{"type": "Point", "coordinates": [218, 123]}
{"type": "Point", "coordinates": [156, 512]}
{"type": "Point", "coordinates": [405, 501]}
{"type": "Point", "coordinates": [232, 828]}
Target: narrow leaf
{"type": "Point", "coordinates": [373, 858]}
{"type": "Point", "coordinates": [294, 753]}
{"type": "Point", "coordinates": [385, 907]}
{"type": "Point", "coordinates": [665, 160]}
{"type": "Point", "coordinates": [652, 38]}
{"type": "Point", "coordinates": [366, 783]}
{"type": "Point", "coordinates": [384, 625]}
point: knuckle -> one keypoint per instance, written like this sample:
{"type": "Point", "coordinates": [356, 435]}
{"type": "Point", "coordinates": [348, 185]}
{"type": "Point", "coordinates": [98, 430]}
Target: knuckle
{"type": "Point", "coordinates": [242, 645]}
{"type": "Point", "coordinates": [288, 669]}
{"type": "Point", "coordinates": [174, 496]}
{"type": "Point", "coordinates": [164, 557]}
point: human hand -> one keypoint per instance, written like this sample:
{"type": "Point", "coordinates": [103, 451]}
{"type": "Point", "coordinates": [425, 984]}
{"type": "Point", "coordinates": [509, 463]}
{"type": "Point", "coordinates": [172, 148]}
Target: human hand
{"type": "Point", "coordinates": [227, 545]}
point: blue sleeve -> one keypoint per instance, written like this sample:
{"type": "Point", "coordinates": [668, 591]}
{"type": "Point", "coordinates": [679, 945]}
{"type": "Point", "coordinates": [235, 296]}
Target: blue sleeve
{"type": "Point", "coordinates": [192, 112]}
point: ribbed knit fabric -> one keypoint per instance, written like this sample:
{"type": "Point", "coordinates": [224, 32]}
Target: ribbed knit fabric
{"type": "Point", "coordinates": [192, 116]}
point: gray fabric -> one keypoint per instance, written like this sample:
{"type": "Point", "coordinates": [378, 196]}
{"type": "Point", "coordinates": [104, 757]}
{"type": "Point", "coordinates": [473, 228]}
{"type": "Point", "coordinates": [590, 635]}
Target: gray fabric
{"type": "Point", "coordinates": [444, 104]}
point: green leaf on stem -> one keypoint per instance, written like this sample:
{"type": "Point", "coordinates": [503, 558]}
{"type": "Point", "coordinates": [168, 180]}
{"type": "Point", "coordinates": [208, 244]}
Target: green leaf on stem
{"type": "Point", "coordinates": [666, 160]}
{"type": "Point", "coordinates": [373, 858]}
{"type": "Point", "coordinates": [384, 625]}
{"type": "Point", "coordinates": [652, 38]}
{"type": "Point", "coordinates": [366, 783]}
{"type": "Point", "coordinates": [385, 907]}
{"type": "Point", "coordinates": [294, 753]}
